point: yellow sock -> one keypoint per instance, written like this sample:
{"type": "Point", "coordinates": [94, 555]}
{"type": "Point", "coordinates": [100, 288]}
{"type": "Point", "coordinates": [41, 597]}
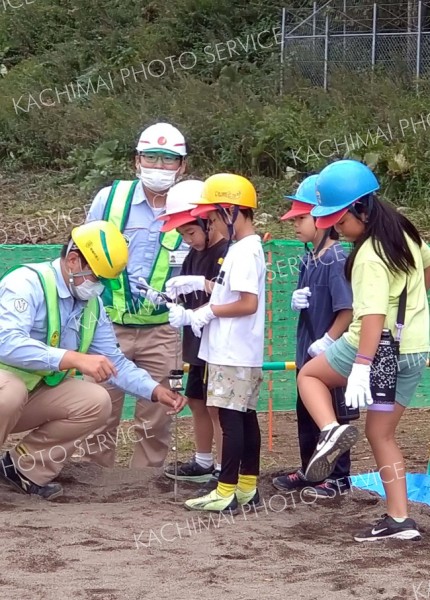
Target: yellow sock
{"type": "Point", "coordinates": [225, 489]}
{"type": "Point", "coordinates": [247, 483]}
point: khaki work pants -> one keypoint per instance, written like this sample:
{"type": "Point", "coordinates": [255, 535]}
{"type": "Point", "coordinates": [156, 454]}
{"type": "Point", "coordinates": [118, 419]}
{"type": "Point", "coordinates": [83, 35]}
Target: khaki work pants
{"type": "Point", "coordinates": [59, 418]}
{"type": "Point", "coordinates": [153, 349]}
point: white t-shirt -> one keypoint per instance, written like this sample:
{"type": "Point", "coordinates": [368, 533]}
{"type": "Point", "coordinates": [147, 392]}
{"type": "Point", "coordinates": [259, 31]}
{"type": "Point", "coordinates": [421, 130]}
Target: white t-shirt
{"type": "Point", "coordinates": [238, 341]}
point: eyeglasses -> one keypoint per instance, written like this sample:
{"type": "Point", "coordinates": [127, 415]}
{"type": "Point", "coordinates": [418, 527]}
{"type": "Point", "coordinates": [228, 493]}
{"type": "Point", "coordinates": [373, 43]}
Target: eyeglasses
{"type": "Point", "coordinates": [166, 159]}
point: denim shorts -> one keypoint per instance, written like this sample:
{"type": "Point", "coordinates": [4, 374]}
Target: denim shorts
{"type": "Point", "coordinates": [341, 356]}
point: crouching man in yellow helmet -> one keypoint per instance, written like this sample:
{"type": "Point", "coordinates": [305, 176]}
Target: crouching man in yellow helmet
{"type": "Point", "coordinates": [52, 322]}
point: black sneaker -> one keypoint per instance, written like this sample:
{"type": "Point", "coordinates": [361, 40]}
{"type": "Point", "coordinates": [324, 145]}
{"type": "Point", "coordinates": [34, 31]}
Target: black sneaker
{"type": "Point", "coordinates": [210, 485]}
{"type": "Point", "coordinates": [189, 471]}
{"type": "Point", "coordinates": [332, 444]}
{"type": "Point", "coordinates": [330, 488]}
{"type": "Point", "coordinates": [291, 481]}
{"type": "Point", "coordinates": [20, 482]}
{"type": "Point", "coordinates": [388, 528]}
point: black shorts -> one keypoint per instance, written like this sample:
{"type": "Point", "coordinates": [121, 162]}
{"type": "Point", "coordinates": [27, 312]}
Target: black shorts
{"type": "Point", "coordinates": [196, 388]}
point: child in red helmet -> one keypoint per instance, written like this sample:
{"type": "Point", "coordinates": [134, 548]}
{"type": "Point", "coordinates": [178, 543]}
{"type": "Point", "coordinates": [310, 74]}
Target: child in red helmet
{"type": "Point", "coordinates": [202, 264]}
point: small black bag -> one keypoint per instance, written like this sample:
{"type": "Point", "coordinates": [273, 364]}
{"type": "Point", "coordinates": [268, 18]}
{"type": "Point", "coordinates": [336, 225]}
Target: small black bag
{"type": "Point", "coordinates": [384, 367]}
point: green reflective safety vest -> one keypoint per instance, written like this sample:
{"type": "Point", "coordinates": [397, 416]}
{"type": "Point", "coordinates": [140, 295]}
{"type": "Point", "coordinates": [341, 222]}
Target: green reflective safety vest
{"type": "Point", "coordinates": [89, 319]}
{"type": "Point", "coordinates": [119, 304]}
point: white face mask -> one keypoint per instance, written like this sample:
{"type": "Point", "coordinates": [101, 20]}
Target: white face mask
{"type": "Point", "coordinates": [86, 290]}
{"type": "Point", "coordinates": [157, 180]}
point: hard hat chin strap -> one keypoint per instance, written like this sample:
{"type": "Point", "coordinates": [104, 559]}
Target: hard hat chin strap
{"type": "Point", "coordinates": [205, 226]}
{"type": "Point", "coordinates": [363, 206]}
{"type": "Point", "coordinates": [317, 249]}
{"type": "Point", "coordinates": [229, 219]}
{"type": "Point", "coordinates": [323, 241]}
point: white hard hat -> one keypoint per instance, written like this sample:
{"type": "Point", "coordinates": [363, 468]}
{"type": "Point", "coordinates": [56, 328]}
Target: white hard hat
{"type": "Point", "coordinates": [183, 196]}
{"type": "Point", "coordinates": [180, 201]}
{"type": "Point", "coordinates": [162, 137]}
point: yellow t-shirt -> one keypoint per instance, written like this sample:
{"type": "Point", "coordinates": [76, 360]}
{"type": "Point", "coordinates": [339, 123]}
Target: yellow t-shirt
{"type": "Point", "coordinates": [376, 291]}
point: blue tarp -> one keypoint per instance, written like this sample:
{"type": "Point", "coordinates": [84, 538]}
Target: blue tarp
{"type": "Point", "coordinates": [418, 485]}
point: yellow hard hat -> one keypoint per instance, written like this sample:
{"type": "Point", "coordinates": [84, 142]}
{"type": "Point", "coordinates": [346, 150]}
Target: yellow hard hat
{"type": "Point", "coordinates": [104, 248]}
{"type": "Point", "coordinates": [226, 189]}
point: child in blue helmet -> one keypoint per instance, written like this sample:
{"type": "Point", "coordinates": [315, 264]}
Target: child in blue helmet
{"type": "Point", "coordinates": [323, 299]}
{"type": "Point", "coordinates": [388, 257]}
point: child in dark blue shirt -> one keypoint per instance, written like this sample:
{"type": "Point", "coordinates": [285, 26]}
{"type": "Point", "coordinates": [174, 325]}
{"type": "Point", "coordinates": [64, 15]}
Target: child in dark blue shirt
{"type": "Point", "coordinates": [324, 299]}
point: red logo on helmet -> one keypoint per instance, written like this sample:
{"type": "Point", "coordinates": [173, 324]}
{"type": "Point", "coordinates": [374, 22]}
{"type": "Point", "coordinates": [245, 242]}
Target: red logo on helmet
{"type": "Point", "coordinates": [162, 141]}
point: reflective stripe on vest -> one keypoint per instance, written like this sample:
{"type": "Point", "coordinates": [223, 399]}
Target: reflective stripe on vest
{"type": "Point", "coordinates": [119, 304]}
{"type": "Point", "coordinates": [89, 320]}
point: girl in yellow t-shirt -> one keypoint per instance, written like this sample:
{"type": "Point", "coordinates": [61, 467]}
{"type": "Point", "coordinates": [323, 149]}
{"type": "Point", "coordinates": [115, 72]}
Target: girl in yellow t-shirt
{"type": "Point", "coordinates": [388, 257]}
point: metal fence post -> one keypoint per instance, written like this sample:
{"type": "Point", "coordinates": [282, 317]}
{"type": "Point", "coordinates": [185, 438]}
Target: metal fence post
{"type": "Point", "coordinates": [389, 48]}
{"type": "Point", "coordinates": [418, 63]}
{"type": "Point", "coordinates": [282, 74]}
{"type": "Point", "coordinates": [374, 34]}
{"type": "Point", "coordinates": [326, 52]}
{"type": "Point", "coordinates": [344, 30]}
{"type": "Point", "coordinates": [314, 25]}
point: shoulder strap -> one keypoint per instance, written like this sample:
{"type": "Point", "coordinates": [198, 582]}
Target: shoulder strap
{"type": "Point", "coordinates": [401, 312]}
{"type": "Point", "coordinates": [305, 260]}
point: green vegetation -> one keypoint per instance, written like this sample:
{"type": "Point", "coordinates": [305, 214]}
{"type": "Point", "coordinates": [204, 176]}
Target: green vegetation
{"type": "Point", "coordinates": [80, 80]}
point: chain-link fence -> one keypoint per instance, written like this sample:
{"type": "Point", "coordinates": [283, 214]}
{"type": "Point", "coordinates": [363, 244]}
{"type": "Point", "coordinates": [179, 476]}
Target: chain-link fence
{"type": "Point", "coordinates": [353, 36]}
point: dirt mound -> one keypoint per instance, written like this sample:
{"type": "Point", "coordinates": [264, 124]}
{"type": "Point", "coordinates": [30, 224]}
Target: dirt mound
{"type": "Point", "coordinates": [116, 535]}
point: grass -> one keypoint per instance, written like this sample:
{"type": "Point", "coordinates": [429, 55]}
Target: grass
{"type": "Point", "coordinates": [42, 208]}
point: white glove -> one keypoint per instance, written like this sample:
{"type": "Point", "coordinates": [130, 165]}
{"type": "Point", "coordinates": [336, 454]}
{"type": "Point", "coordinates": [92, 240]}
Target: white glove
{"type": "Point", "coordinates": [320, 346]}
{"type": "Point", "coordinates": [299, 299]}
{"type": "Point", "coordinates": [178, 315]}
{"type": "Point", "coordinates": [184, 284]}
{"type": "Point", "coordinates": [358, 388]}
{"type": "Point", "coordinates": [150, 294]}
{"type": "Point", "coordinates": [201, 317]}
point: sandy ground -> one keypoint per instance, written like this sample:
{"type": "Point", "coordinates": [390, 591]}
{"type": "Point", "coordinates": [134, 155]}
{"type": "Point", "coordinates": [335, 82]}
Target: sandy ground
{"type": "Point", "coordinates": [116, 535]}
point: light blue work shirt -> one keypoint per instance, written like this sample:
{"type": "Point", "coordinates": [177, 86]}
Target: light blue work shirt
{"type": "Point", "coordinates": [23, 331]}
{"type": "Point", "coordinates": [142, 232]}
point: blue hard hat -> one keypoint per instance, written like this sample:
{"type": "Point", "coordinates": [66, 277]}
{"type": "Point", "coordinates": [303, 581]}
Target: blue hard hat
{"type": "Point", "coordinates": [341, 184]}
{"type": "Point", "coordinates": [306, 192]}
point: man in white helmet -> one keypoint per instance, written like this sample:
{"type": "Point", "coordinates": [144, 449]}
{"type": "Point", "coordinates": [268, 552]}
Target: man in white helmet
{"type": "Point", "coordinates": [142, 328]}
